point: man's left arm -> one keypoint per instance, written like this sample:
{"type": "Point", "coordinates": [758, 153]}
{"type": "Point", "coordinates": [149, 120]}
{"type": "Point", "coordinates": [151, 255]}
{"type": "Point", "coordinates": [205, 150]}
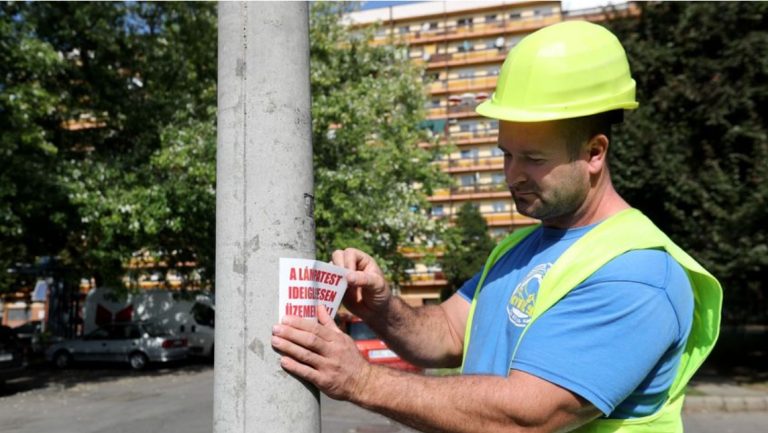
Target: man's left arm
{"type": "Point", "coordinates": [320, 353]}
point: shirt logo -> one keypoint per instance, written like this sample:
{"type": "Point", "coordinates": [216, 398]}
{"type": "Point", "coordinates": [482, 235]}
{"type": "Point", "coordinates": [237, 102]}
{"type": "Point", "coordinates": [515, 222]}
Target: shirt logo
{"type": "Point", "coordinates": [520, 307]}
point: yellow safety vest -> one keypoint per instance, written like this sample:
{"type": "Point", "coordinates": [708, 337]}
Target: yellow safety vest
{"type": "Point", "coordinates": [625, 231]}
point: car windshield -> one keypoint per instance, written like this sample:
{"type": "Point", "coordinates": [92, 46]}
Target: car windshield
{"type": "Point", "coordinates": [361, 331]}
{"type": "Point", "coordinates": [154, 331]}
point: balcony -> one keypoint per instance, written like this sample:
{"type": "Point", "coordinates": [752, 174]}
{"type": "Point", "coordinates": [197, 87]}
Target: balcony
{"type": "Point", "coordinates": [470, 192]}
{"type": "Point", "coordinates": [454, 136]}
{"type": "Point", "coordinates": [507, 219]}
{"type": "Point", "coordinates": [479, 188]}
{"type": "Point", "coordinates": [464, 58]}
{"type": "Point", "coordinates": [459, 106]}
{"type": "Point", "coordinates": [459, 32]}
{"type": "Point", "coordinates": [418, 252]}
{"type": "Point", "coordinates": [487, 83]}
{"type": "Point", "coordinates": [424, 279]}
{"type": "Point", "coordinates": [465, 139]}
{"type": "Point", "coordinates": [472, 164]}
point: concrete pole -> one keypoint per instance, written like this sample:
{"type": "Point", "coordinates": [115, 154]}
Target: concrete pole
{"type": "Point", "coordinates": [264, 209]}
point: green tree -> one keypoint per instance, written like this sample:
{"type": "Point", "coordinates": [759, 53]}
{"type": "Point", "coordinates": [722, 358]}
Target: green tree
{"type": "Point", "coordinates": [31, 219]}
{"type": "Point", "coordinates": [694, 156]}
{"type": "Point", "coordinates": [132, 134]}
{"type": "Point", "coordinates": [136, 78]}
{"type": "Point", "coordinates": [467, 246]}
{"type": "Point", "coordinates": [371, 180]}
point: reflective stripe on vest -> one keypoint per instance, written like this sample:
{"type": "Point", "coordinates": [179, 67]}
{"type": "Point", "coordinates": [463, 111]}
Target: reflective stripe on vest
{"type": "Point", "coordinates": [625, 231]}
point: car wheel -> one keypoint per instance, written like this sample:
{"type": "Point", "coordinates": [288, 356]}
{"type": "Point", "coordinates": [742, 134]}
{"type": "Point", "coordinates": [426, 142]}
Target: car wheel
{"type": "Point", "coordinates": [138, 360]}
{"type": "Point", "coordinates": [62, 359]}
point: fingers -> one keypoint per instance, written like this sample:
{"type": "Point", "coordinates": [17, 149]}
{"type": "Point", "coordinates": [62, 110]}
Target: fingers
{"type": "Point", "coordinates": [365, 279]}
{"type": "Point", "coordinates": [347, 258]}
{"type": "Point", "coordinates": [305, 332]}
{"type": "Point", "coordinates": [324, 319]}
{"type": "Point", "coordinates": [298, 369]}
{"type": "Point", "coordinates": [354, 260]}
{"type": "Point", "coordinates": [295, 351]}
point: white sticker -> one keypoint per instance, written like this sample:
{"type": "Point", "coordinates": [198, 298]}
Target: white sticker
{"type": "Point", "coordinates": [307, 284]}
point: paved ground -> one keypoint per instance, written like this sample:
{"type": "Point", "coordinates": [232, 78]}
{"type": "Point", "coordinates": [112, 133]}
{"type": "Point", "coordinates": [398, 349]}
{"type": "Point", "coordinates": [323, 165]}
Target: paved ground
{"type": "Point", "coordinates": [95, 399]}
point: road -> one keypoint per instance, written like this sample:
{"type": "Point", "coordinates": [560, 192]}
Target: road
{"type": "Point", "coordinates": [180, 400]}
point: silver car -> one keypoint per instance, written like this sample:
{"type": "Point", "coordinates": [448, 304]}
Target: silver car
{"type": "Point", "coordinates": [134, 343]}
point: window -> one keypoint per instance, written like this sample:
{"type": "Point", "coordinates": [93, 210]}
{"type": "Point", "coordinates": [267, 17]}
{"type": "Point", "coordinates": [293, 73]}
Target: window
{"type": "Point", "coordinates": [465, 47]}
{"type": "Point", "coordinates": [405, 29]}
{"type": "Point", "coordinates": [433, 25]}
{"type": "Point", "coordinates": [99, 334]}
{"type": "Point", "coordinates": [497, 152]}
{"type": "Point", "coordinates": [494, 125]}
{"type": "Point", "coordinates": [466, 74]}
{"type": "Point", "coordinates": [18, 315]}
{"type": "Point", "coordinates": [463, 22]}
{"type": "Point", "coordinates": [203, 314]}
{"type": "Point", "coordinates": [435, 103]}
{"type": "Point", "coordinates": [469, 154]}
{"type": "Point", "coordinates": [438, 210]}
{"type": "Point", "coordinates": [467, 180]}
{"type": "Point", "coordinates": [499, 207]}
{"type": "Point", "coordinates": [515, 16]}
{"type": "Point", "coordinates": [490, 18]}
{"type": "Point", "coordinates": [498, 179]}
{"type": "Point", "coordinates": [133, 332]}
{"type": "Point", "coordinates": [361, 331]}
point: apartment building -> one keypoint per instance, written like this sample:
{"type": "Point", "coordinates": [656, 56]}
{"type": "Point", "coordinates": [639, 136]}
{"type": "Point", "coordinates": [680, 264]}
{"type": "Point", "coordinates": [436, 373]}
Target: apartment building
{"type": "Point", "coordinates": [462, 46]}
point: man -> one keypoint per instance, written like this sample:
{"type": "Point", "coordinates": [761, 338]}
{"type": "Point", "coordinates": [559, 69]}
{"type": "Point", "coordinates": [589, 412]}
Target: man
{"type": "Point", "coordinates": [593, 321]}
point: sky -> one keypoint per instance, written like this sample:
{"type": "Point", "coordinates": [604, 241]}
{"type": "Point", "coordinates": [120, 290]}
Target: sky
{"type": "Point", "coordinates": [566, 4]}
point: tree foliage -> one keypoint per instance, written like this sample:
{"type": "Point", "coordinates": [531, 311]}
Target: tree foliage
{"type": "Point", "coordinates": [111, 111]}
{"type": "Point", "coordinates": [30, 198]}
{"type": "Point", "coordinates": [694, 156]}
{"type": "Point", "coordinates": [129, 79]}
{"type": "Point", "coordinates": [468, 244]}
{"type": "Point", "coordinates": [371, 180]}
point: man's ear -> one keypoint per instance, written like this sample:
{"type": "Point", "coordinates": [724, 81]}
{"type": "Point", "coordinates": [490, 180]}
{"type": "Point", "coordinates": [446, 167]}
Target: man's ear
{"type": "Point", "coordinates": [597, 153]}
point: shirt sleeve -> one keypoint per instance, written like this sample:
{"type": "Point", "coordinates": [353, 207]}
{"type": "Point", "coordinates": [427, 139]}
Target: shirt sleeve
{"type": "Point", "coordinates": [605, 336]}
{"type": "Point", "coordinates": [467, 290]}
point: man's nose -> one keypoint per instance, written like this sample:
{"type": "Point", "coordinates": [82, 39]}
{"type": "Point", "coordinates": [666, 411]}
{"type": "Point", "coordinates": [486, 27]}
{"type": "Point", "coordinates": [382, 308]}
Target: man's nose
{"type": "Point", "coordinates": [513, 172]}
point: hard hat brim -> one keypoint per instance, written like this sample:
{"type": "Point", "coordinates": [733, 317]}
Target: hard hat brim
{"type": "Point", "coordinates": [497, 111]}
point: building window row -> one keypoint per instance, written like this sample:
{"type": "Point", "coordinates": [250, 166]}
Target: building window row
{"type": "Point", "coordinates": [474, 22]}
{"type": "Point", "coordinates": [487, 208]}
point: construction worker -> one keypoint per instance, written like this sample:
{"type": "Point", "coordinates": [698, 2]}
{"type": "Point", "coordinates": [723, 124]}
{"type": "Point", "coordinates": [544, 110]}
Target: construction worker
{"type": "Point", "coordinates": [592, 321]}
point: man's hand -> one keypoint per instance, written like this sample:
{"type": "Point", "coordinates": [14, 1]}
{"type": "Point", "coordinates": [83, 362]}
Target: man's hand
{"type": "Point", "coordinates": [321, 354]}
{"type": "Point", "coordinates": [367, 290]}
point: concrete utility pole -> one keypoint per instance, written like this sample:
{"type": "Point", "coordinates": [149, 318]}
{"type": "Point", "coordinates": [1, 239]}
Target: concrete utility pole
{"type": "Point", "coordinates": [264, 209]}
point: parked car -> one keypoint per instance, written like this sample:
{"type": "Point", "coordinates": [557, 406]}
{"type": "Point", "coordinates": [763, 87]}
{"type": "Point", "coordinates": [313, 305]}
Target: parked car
{"type": "Point", "coordinates": [30, 335]}
{"type": "Point", "coordinates": [191, 317]}
{"type": "Point", "coordinates": [373, 349]}
{"type": "Point", "coordinates": [12, 354]}
{"type": "Point", "coordinates": [134, 343]}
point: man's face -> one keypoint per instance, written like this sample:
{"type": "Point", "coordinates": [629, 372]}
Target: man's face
{"type": "Point", "coordinates": [544, 181]}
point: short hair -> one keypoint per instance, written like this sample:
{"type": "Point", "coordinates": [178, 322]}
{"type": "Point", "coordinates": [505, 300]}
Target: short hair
{"type": "Point", "coordinates": [579, 130]}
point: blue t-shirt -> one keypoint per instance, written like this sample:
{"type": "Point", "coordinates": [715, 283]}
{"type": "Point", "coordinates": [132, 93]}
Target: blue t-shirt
{"type": "Point", "coordinates": [615, 339]}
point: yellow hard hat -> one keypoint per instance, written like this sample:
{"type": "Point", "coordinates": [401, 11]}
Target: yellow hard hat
{"type": "Point", "coordinates": [569, 69]}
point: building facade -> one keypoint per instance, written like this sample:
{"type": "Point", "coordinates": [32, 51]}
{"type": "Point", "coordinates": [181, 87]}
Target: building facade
{"type": "Point", "coordinates": [461, 46]}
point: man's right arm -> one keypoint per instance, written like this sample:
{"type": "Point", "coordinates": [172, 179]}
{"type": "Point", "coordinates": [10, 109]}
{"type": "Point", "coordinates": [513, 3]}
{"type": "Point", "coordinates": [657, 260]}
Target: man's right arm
{"type": "Point", "coordinates": [428, 336]}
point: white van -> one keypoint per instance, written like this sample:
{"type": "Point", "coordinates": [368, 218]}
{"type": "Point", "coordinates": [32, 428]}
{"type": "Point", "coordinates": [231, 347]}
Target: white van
{"type": "Point", "coordinates": [191, 316]}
